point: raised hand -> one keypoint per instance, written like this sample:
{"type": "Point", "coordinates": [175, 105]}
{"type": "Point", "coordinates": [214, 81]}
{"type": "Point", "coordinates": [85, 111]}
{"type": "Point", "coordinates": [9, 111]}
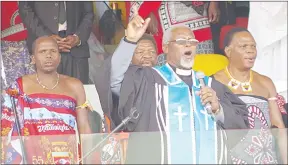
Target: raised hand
{"type": "Point", "coordinates": [136, 27]}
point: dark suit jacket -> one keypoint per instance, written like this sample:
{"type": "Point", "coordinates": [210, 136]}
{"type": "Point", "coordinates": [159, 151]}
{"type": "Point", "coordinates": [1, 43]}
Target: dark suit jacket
{"type": "Point", "coordinates": [41, 18]}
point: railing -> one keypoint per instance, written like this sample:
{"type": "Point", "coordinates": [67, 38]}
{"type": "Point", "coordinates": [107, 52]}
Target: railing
{"type": "Point", "coordinates": [257, 146]}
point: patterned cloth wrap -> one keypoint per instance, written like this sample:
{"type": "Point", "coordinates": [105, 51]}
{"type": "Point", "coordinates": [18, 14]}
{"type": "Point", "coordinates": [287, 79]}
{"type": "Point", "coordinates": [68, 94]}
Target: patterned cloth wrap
{"type": "Point", "coordinates": [258, 146]}
{"type": "Point", "coordinates": [47, 123]}
{"type": "Point", "coordinates": [281, 102]}
{"type": "Point", "coordinates": [16, 61]}
{"type": "Point", "coordinates": [168, 14]}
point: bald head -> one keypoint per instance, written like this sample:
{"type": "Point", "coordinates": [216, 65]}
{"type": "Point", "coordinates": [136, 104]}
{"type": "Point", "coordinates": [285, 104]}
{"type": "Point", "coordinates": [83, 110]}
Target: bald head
{"type": "Point", "coordinates": [46, 56]}
{"type": "Point", "coordinates": [40, 40]}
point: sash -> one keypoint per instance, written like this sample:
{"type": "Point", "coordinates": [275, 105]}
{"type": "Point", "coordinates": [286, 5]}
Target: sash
{"type": "Point", "coordinates": [191, 132]}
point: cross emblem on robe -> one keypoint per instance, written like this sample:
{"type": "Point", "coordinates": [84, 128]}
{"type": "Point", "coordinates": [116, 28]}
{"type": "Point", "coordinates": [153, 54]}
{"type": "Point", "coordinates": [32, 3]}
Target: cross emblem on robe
{"type": "Point", "coordinates": [180, 115]}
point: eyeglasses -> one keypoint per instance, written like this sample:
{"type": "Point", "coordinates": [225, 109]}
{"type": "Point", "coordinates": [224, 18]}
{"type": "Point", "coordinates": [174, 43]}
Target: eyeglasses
{"type": "Point", "coordinates": [182, 41]}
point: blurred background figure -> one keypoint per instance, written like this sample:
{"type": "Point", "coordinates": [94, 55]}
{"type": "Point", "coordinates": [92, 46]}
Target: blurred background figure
{"type": "Point", "coordinates": [145, 53]}
{"type": "Point", "coordinates": [14, 53]}
{"type": "Point", "coordinates": [197, 15]}
{"type": "Point", "coordinates": [270, 33]}
{"type": "Point", "coordinates": [70, 24]}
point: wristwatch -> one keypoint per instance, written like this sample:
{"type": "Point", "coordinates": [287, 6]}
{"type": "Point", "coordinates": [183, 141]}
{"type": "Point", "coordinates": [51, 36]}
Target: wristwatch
{"type": "Point", "coordinates": [78, 38]}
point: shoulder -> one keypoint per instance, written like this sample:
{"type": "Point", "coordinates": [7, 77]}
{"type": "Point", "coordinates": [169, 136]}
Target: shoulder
{"type": "Point", "coordinates": [72, 82]}
{"type": "Point", "coordinates": [27, 76]}
{"type": "Point", "coordinates": [266, 83]}
{"type": "Point", "coordinates": [140, 70]}
{"type": "Point", "coordinates": [264, 80]}
{"type": "Point", "coordinates": [27, 79]}
{"type": "Point", "coordinates": [219, 75]}
{"type": "Point", "coordinates": [140, 74]}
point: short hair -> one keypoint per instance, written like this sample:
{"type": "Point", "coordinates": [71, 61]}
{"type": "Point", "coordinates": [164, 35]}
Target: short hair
{"type": "Point", "coordinates": [35, 42]}
{"type": "Point", "coordinates": [168, 33]}
{"type": "Point", "coordinates": [150, 38]}
{"type": "Point", "coordinates": [229, 36]}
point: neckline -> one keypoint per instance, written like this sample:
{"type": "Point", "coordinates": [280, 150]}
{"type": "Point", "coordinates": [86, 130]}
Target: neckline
{"type": "Point", "coordinates": [183, 72]}
{"type": "Point", "coordinates": [20, 84]}
{"type": "Point", "coordinates": [178, 79]}
{"type": "Point", "coordinates": [259, 97]}
{"type": "Point", "coordinates": [231, 77]}
{"type": "Point", "coordinates": [52, 95]}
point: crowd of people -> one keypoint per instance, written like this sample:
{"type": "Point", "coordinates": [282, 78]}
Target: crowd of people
{"type": "Point", "coordinates": [44, 64]}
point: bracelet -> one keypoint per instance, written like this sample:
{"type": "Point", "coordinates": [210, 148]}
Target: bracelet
{"type": "Point", "coordinates": [84, 105]}
{"type": "Point", "coordinates": [272, 98]}
{"type": "Point", "coordinates": [131, 42]}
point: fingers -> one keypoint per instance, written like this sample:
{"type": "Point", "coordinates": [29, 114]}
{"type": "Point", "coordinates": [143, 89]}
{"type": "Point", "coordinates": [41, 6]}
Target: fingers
{"type": "Point", "coordinates": [208, 99]}
{"type": "Point", "coordinates": [214, 17]}
{"type": "Point", "coordinates": [211, 17]}
{"type": "Point", "coordinates": [64, 50]}
{"type": "Point", "coordinates": [138, 21]}
{"type": "Point", "coordinates": [135, 11]}
{"type": "Point", "coordinates": [146, 23]}
{"type": "Point", "coordinates": [207, 95]}
{"type": "Point", "coordinates": [57, 38]}
{"type": "Point", "coordinates": [65, 45]}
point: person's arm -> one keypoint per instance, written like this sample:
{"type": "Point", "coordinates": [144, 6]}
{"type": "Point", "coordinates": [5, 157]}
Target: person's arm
{"type": "Point", "coordinates": [31, 20]}
{"type": "Point", "coordinates": [123, 55]}
{"type": "Point", "coordinates": [213, 12]}
{"type": "Point", "coordinates": [84, 29]}
{"type": "Point", "coordinates": [82, 109]}
{"type": "Point", "coordinates": [82, 119]}
{"type": "Point", "coordinates": [276, 119]}
{"type": "Point", "coordinates": [120, 62]}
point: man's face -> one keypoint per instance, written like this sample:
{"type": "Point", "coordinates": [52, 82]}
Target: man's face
{"type": "Point", "coordinates": [242, 51]}
{"type": "Point", "coordinates": [46, 56]}
{"type": "Point", "coordinates": [145, 54]}
{"type": "Point", "coordinates": [181, 48]}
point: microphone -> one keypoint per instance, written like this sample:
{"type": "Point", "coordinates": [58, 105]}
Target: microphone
{"type": "Point", "coordinates": [13, 94]}
{"type": "Point", "coordinates": [200, 76]}
{"type": "Point", "coordinates": [134, 114]}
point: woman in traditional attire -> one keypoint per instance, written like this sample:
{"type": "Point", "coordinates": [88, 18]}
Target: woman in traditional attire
{"type": "Point", "coordinates": [197, 15]}
{"type": "Point", "coordinates": [47, 103]}
{"type": "Point", "coordinates": [259, 93]}
{"type": "Point", "coordinates": [14, 52]}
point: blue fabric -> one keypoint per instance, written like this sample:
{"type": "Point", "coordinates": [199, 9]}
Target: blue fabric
{"type": "Point", "coordinates": [191, 135]}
